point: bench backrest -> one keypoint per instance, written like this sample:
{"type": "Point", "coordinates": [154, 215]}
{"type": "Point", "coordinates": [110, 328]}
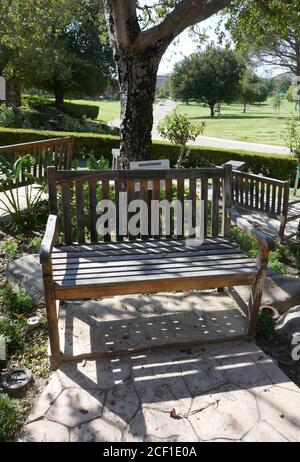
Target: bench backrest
{"type": "Point", "coordinates": [56, 151]}
{"type": "Point", "coordinates": [74, 195]}
{"type": "Point", "coordinates": [257, 193]}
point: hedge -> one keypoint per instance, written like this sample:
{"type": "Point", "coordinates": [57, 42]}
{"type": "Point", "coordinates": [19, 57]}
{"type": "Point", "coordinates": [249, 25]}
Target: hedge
{"type": "Point", "coordinates": [277, 166]}
{"type": "Point", "coordinates": [77, 111]}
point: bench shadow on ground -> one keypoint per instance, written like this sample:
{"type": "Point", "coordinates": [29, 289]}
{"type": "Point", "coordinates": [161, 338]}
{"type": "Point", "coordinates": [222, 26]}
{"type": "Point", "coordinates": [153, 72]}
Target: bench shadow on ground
{"type": "Point", "coordinates": [126, 385]}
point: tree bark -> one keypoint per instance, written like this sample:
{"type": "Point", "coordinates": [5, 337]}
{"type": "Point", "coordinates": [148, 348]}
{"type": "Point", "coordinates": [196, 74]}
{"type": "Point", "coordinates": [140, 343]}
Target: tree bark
{"type": "Point", "coordinates": [13, 92]}
{"type": "Point", "coordinates": [212, 110]}
{"type": "Point", "coordinates": [137, 54]}
{"type": "Point", "coordinates": [137, 79]}
{"type": "Point", "coordinates": [59, 98]}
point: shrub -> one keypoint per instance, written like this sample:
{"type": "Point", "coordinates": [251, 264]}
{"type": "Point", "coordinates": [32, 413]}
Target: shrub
{"type": "Point", "coordinates": [10, 249]}
{"type": "Point", "coordinates": [265, 327]}
{"type": "Point", "coordinates": [10, 417]}
{"type": "Point", "coordinates": [178, 129]}
{"type": "Point", "coordinates": [13, 332]}
{"type": "Point", "coordinates": [79, 110]}
{"type": "Point", "coordinates": [277, 166]}
{"type": "Point", "coordinates": [35, 244]}
{"type": "Point", "coordinates": [15, 301]}
{"type": "Point", "coordinates": [35, 102]}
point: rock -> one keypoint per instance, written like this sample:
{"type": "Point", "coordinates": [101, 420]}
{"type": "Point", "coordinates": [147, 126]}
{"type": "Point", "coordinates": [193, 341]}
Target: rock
{"type": "Point", "coordinates": [281, 292]}
{"type": "Point", "coordinates": [289, 323]}
{"type": "Point", "coordinates": [26, 274]}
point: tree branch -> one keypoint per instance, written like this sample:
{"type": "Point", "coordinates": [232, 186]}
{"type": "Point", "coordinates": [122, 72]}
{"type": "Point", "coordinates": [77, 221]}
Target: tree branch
{"type": "Point", "coordinates": [185, 14]}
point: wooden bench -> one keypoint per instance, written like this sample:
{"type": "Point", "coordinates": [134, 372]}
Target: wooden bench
{"type": "Point", "coordinates": [80, 261]}
{"type": "Point", "coordinates": [255, 193]}
{"type": "Point", "coordinates": [56, 151]}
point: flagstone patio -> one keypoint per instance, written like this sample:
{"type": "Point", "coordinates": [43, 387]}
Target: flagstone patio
{"type": "Point", "coordinates": [225, 392]}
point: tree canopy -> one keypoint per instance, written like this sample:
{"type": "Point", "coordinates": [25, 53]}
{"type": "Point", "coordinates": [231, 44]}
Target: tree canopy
{"type": "Point", "coordinates": [58, 46]}
{"type": "Point", "coordinates": [268, 29]}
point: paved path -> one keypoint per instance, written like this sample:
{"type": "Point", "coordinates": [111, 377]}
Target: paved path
{"type": "Point", "coordinates": [225, 392]}
{"type": "Point", "coordinates": [222, 392]}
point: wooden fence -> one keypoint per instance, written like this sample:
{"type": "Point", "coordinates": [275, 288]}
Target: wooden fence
{"type": "Point", "coordinates": [56, 151]}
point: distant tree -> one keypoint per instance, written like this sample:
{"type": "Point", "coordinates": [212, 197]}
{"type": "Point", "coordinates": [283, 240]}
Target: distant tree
{"type": "Point", "coordinates": [252, 89]}
{"type": "Point", "coordinates": [211, 76]}
{"type": "Point", "coordinates": [182, 81]}
{"type": "Point", "coordinates": [164, 90]}
{"type": "Point", "coordinates": [293, 95]}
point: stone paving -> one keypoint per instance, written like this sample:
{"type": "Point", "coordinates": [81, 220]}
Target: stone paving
{"type": "Point", "coordinates": [135, 323]}
{"type": "Point", "coordinates": [224, 392]}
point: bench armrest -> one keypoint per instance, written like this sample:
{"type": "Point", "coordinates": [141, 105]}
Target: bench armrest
{"type": "Point", "coordinates": [260, 236]}
{"type": "Point", "coordinates": [48, 241]}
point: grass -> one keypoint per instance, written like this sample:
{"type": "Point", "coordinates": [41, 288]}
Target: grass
{"type": "Point", "coordinates": [258, 125]}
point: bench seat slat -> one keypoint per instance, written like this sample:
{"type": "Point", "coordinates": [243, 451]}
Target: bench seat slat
{"type": "Point", "coordinates": [157, 269]}
{"type": "Point", "coordinates": [220, 242]}
{"type": "Point", "coordinates": [141, 263]}
{"type": "Point", "coordinates": [58, 266]}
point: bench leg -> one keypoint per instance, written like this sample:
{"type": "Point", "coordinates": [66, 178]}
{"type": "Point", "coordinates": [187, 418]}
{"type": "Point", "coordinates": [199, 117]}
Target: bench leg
{"type": "Point", "coordinates": [257, 291]}
{"type": "Point", "coordinates": [55, 354]}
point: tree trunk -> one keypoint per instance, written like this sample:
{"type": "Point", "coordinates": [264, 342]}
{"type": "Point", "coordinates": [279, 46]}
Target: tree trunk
{"type": "Point", "coordinates": [13, 92]}
{"type": "Point", "coordinates": [59, 98]}
{"type": "Point", "coordinates": [181, 155]}
{"type": "Point", "coordinates": [212, 110]}
{"type": "Point", "coordinates": [245, 108]}
{"type": "Point", "coordinates": [137, 78]}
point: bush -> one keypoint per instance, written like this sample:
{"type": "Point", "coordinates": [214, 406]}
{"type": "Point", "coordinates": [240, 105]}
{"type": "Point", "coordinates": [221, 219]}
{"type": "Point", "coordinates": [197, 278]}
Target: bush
{"type": "Point", "coordinates": [79, 110]}
{"type": "Point", "coordinates": [35, 102]}
{"type": "Point", "coordinates": [277, 166]}
{"type": "Point", "coordinates": [10, 417]}
{"type": "Point", "coordinates": [10, 249]}
{"type": "Point", "coordinates": [15, 301]}
{"type": "Point", "coordinates": [13, 332]}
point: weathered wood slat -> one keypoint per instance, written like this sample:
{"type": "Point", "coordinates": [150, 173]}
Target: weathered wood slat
{"type": "Point", "coordinates": [204, 200]}
{"type": "Point", "coordinates": [210, 243]}
{"type": "Point", "coordinates": [92, 211]}
{"type": "Point", "coordinates": [215, 208]}
{"type": "Point", "coordinates": [105, 196]}
{"type": "Point", "coordinates": [169, 221]}
{"type": "Point", "coordinates": [180, 213]}
{"type": "Point", "coordinates": [158, 267]}
{"type": "Point", "coordinates": [80, 212]}
{"type": "Point", "coordinates": [155, 213]}
{"type": "Point", "coordinates": [237, 272]}
{"type": "Point", "coordinates": [66, 198]}
{"type": "Point", "coordinates": [140, 256]}
{"type": "Point", "coordinates": [201, 259]}
{"type": "Point", "coordinates": [69, 292]}
{"type": "Point", "coordinates": [193, 203]}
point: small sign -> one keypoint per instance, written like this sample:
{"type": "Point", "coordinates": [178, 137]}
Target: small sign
{"type": "Point", "coordinates": [2, 89]}
{"type": "Point", "coordinates": [151, 165]}
{"type": "Point", "coordinates": [163, 164]}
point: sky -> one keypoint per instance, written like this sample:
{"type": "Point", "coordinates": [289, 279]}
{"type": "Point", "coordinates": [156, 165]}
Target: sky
{"type": "Point", "coordinates": [185, 45]}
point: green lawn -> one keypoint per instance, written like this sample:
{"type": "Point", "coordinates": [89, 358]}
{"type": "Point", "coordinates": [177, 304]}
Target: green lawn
{"type": "Point", "coordinates": [258, 125]}
{"type": "Point", "coordinates": [108, 110]}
